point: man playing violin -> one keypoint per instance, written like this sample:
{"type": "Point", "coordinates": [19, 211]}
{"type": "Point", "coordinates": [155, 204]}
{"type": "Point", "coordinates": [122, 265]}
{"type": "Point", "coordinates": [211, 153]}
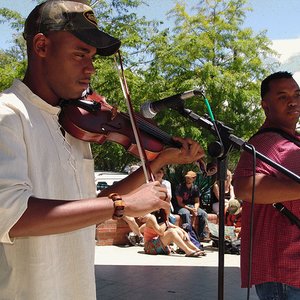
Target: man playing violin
{"type": "Point", "coordinates": [48, 203]}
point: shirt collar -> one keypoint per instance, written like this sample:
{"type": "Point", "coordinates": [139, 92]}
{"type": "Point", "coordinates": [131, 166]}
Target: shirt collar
{"type": "Point", "coordinates": [25, 92]}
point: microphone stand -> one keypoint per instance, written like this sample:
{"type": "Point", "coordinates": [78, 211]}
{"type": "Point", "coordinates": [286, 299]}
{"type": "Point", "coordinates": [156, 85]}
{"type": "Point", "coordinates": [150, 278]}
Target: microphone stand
{"type": "Point", "coordinates": [220, 149]}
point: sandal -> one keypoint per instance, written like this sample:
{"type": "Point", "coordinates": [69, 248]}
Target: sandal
{"type": "Point", "coordinates": [201, 253]}
{"type": "Point", "coordinates": [193, 254]}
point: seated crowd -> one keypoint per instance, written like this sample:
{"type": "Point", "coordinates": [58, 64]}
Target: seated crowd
{"type": "Point", "coordinates": [195, 205]}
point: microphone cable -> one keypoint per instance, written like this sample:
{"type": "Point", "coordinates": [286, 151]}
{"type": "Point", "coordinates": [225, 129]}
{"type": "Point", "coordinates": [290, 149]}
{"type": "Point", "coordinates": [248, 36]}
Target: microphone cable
{"type": "Point", "coordinates": [211, 115]}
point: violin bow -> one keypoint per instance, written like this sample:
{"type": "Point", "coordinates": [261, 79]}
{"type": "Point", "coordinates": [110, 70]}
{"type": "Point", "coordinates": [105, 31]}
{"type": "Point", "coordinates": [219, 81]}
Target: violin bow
{"type": "Point", "coordinates": [143, 157]}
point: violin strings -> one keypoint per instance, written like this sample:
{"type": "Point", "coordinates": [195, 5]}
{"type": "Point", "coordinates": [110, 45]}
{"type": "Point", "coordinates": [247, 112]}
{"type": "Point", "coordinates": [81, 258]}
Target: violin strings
{"type": "Point", "coordinates": [153, 130]}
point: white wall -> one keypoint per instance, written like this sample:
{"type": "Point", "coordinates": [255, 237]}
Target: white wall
{"type": "Point", "coordinates": [289, 56]}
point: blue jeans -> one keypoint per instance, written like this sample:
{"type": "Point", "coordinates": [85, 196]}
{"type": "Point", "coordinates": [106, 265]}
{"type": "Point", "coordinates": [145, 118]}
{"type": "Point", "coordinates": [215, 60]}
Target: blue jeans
{"type": "Point", "coordinates": [277, 291]}
{"type": "Point", "coordinates": [202, 216]}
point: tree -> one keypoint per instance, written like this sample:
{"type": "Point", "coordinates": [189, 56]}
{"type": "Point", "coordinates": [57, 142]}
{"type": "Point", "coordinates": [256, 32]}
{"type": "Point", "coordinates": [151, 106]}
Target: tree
{"type": "Point", "coordinates": [12, 61]}
{"type": "Point", "coordinates": [211, 50]}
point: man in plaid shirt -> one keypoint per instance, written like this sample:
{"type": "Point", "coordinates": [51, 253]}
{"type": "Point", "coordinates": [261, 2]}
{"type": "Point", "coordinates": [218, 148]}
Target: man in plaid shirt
{"type": "Point", "coordinates": [276, 242]}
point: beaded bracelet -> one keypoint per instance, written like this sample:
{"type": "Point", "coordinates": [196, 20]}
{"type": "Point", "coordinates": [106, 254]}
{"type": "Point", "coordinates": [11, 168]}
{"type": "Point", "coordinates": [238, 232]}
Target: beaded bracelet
{"type": "Point", "coordinates": [119, 206]}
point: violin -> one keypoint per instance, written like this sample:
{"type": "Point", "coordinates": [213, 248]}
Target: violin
{"type": "Point", "coordinates": [92, 119]}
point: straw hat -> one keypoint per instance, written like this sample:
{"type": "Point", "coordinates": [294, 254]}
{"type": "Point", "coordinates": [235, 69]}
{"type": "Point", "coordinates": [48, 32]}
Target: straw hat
{"type": "Point", "coordinates": [191, 174]}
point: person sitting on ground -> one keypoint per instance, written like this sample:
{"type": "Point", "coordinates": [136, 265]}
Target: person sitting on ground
{"type": "Point", "coordinates": [233, 215]}
{"type": "Point", "coordinates": [229, 192]}
{"type": "Point", "coordinates": [187, 195]}
{"type": "Point", "coordinates": [159, 176]}
{"type": "Point", "coordinates": [205, 181]}
{"type": "Point", "coordinates": [159, 237]}
{"type": "Point", "coordinates": [135, 237]}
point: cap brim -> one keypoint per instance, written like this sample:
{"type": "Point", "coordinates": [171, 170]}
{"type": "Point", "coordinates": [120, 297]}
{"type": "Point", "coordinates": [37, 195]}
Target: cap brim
{"type": "Point", "coordinates": [106, 45]}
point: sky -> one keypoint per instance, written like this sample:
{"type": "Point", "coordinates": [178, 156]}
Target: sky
{"type": "Point", "coordinates": [278, 17]}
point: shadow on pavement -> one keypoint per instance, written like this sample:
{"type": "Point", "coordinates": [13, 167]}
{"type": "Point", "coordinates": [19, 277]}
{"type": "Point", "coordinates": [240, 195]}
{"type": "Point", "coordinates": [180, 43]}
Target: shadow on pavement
{"type": "Point", "coordinates": [167, 282]}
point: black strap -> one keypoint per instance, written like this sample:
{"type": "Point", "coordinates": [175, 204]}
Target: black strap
{"type": "Point", "coordinates": [283, 210]}
{"type": "Point", "coordinates": [284, 134]}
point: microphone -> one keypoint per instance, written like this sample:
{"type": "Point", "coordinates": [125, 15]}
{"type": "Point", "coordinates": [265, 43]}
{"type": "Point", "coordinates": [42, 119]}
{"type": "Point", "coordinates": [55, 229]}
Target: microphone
{"type": "Point", "coordinates": [150, 109]}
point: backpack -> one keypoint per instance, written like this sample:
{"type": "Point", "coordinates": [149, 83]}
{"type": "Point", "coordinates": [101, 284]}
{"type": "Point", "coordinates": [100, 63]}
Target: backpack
{"type": "Point", "coordinates": [231, 244]}
{"type": "Point", "coordinates": [192, 235]}
{"type": "Point", "coordinates": [230, 247]}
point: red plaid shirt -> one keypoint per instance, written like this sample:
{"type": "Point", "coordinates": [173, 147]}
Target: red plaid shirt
{"type": "Point", "coordinates": [276, 242]}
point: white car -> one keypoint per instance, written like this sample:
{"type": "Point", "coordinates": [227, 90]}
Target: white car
{"type": "Point", "coordinates": [103, 179]}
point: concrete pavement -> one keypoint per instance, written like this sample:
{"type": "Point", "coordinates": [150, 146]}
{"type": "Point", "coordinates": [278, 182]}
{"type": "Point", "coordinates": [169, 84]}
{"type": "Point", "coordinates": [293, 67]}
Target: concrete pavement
{"type": "Point", "coordinates": [124, 272]}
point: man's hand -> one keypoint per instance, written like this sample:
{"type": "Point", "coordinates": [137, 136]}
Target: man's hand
{"type": "Point", "coordinates": [194, 211]}
{"type": "Point", "coordinates": [147, 198]}
{"type": "Point", "coordinates": [190, 152]}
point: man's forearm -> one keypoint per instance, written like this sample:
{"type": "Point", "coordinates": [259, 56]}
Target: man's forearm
{"type": "Point", "coordinates": [43, 217]}
{"type": "Point", "coordinates": [268, 189]}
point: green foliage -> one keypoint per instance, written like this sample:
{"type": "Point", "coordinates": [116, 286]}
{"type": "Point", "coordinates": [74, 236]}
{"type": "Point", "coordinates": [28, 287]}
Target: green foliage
{"type": "Point", "coordinates": [209, 49]}
{"type": "Point", "coordinates": [15, 20]}
{"type": "Point", "coordinates": [10, 69]}
{"type": "Point", "coordinates": [12, 61]}
{"type": "Point", "coordinates": [212, 51]}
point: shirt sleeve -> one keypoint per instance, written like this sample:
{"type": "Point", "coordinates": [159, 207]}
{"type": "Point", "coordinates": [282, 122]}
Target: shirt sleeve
{"type": "Point", "coordinates": [169, 188]}
{"type": "Point", "coordinates": [196, 192]}
{"type": "Point", "coordinates": [271, 145]}
{"type": "Point", "coordinates": [178, 190]}
{"type": "Point", "coordinates": [15, 187]}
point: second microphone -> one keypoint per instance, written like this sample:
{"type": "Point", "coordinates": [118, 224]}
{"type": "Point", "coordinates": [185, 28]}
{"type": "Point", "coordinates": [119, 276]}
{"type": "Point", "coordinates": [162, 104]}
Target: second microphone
{"type": "Point", "coordinates": [150, 109]}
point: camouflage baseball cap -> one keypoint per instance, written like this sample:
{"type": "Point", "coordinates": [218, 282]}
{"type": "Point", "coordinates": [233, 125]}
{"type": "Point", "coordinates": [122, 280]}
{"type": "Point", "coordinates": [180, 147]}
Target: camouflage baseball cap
{"type": "Point", "coordinates": [74, 17]}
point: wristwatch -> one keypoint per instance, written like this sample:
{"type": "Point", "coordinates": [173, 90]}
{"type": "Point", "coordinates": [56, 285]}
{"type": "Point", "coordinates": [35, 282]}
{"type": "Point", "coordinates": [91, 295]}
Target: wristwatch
{"type": "Point", "coordinates": [119, 206]}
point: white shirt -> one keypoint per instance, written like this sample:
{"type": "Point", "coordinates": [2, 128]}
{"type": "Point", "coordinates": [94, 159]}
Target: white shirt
{"type": "Point", "coordinates": [37, 160]}
{"type": "Point", "coordinates": [167, 184]}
